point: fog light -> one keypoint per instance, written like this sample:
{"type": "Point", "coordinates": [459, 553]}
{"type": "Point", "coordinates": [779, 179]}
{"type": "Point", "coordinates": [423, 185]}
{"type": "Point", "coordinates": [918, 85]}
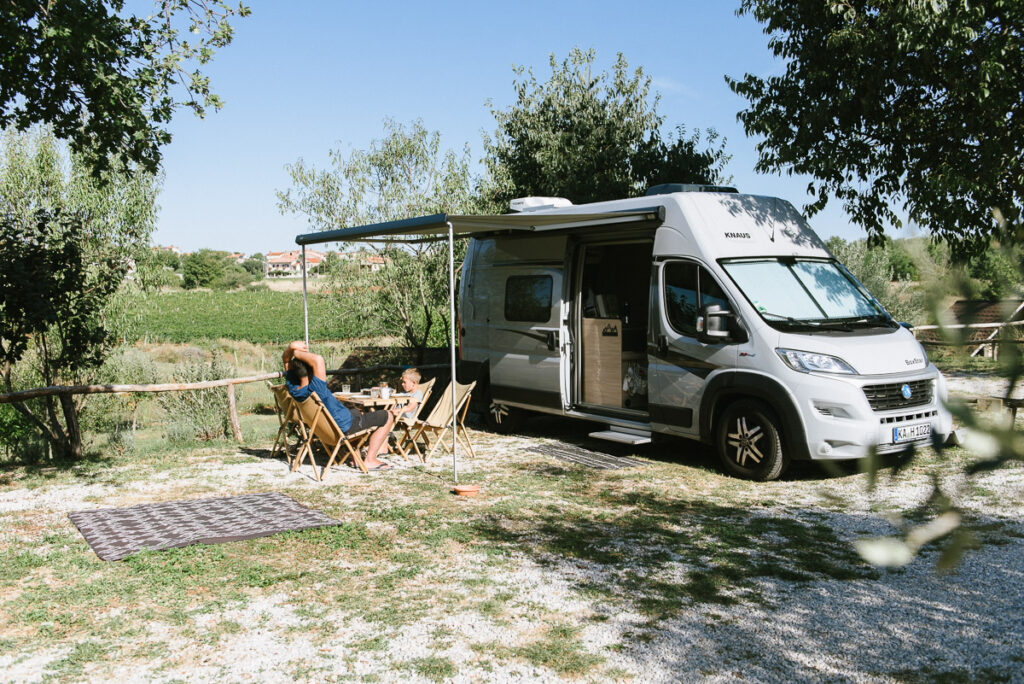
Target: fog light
{"type": "Point", "coordinates": [824, 449]}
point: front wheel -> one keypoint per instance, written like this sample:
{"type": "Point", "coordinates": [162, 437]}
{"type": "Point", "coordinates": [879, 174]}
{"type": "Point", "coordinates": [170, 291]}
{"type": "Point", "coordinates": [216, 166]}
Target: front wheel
{"type": "Point", "coordinates": [749, 441]}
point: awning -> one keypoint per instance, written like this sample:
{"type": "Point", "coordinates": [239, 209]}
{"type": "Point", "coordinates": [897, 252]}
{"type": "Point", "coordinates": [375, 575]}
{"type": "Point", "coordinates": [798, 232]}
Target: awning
{"type": "Point", "coordinates": [435, 227]}
{"type": "Point", "coordinates": [450, 226]}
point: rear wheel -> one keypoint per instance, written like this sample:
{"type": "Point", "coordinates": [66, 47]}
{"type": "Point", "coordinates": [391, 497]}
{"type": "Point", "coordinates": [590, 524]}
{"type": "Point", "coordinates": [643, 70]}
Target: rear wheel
{"type": "Point", "coordinates": [750, 442]}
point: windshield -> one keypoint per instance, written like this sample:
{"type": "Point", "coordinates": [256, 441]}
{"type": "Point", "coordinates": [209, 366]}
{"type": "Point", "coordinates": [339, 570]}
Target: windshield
{"type": "Point", "coordinates": [811, 292]}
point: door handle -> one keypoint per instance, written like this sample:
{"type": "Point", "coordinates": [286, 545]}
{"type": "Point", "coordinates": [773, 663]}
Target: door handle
{"type": "Point", "coordinates": [662, 345]}
{"type": "Point", "coordinates": [552, 340]}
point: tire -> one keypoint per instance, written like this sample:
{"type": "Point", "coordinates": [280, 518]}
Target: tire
{"type": "Point", "coordinates": [501, 418]}
{"type": "Point", "coordinates": [749, 441]}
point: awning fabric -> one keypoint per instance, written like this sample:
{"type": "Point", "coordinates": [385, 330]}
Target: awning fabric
{"type": "Point", "coordinates": [435, 226]}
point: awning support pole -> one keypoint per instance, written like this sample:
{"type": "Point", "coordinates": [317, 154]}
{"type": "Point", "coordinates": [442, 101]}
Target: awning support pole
{"type": "Point", "coordinates": [455, 385]}
{"type": "Point", "coordinates": [451, 319]}
{"type": "Point", "coordinates": [305, 303]}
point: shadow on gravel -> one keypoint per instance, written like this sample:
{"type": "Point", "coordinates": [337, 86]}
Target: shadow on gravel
{"type": "Point", "coordinates": [805, 606]}
{"type": "Point", "coordinates": [663, 448]}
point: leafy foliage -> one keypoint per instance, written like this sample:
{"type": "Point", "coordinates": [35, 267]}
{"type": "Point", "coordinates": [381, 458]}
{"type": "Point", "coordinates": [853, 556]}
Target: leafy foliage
{"type": "Point", "coordinates": [211, 268]}
{"type": "Point", "coordinates": [590, 137]}
{"type": "Point", "coordinates": [202, 268]}
{"type": "Point", "coordinates": [199, 414]}
{"type": "Point", "coordinates": [401, 175]}
{"type": "Point", "coordinates": [888, 103]}
{"type": "Point", "coordinates": [256, 265]}
{"type": "Point", "coordinates": [67, 241]}
{"type": "Point", "coordinates": [106, 80]}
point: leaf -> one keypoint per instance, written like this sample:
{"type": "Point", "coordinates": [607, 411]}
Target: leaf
{"type": "Point", "coordinates": [886, 552]}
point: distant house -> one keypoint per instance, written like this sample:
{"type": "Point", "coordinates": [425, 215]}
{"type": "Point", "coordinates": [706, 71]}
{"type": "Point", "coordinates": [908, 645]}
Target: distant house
{"type": "Point", "coordinates": [237, 257]}
{"type": "Point", "coordinates": [281, 264]}
{"type": "Point", "coordinates": [168, 248]}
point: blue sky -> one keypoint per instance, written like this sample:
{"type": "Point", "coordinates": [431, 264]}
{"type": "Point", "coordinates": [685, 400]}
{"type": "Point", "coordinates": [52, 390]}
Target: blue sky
{"type": "Point", "coordinates": [302, 77]}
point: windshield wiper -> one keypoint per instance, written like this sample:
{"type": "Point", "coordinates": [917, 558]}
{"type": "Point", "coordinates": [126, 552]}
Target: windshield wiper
{"type": "Point", "coordinates": [791, 323]}
{"type": "Point", "coordinates": [871, 321]}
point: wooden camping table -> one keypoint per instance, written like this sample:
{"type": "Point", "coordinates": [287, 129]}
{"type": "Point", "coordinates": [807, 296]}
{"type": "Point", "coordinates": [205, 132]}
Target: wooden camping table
{"type": "Point", "coordinates": [366, 402]}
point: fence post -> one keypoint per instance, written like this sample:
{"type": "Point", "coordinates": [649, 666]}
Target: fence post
{"type": "Point", "coordinates": [236, 429]}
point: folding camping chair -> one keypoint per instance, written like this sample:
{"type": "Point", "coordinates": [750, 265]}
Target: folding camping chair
{"type": "Point", "coordinates": [401, 441]}
{"type": "Point", "coordinates": [289, 420]}
{"type": "Point", "coordinates": [321, 426]}
{"type": "Point", "coordinates": [439, 422]}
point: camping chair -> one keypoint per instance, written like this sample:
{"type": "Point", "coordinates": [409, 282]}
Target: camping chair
{"type": "Point", "coordinates": [439, 422]}
{"type": "Point", "coordinates": [289, 420]}
{"type": "Point", "coordinates": [320, 425]}
{"type": "Point", "coordinates": [407, 424]}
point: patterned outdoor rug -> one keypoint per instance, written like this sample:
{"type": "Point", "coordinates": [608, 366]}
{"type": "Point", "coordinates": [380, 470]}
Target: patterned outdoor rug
{"type": "Point", "coordinates": [114, 533]}
{"type": "Point", "coordinates": [591, 459]}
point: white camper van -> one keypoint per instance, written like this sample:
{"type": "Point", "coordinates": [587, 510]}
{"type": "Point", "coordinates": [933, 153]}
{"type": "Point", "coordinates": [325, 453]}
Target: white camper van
{"type": "Point", "coordinates": [720, 318]}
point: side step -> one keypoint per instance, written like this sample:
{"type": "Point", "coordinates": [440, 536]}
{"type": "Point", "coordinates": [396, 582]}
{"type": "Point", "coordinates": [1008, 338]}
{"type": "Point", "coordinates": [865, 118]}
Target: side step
{"type": "Point", "coordinates": [623, 435]}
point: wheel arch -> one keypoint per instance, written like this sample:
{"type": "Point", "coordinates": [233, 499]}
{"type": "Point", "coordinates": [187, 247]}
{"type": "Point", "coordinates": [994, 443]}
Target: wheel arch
{"type": "Point", "coordinates": [726, 388]}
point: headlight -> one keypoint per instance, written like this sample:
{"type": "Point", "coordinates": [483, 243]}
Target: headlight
{"type": "Point", "coordinates": [807, 362]}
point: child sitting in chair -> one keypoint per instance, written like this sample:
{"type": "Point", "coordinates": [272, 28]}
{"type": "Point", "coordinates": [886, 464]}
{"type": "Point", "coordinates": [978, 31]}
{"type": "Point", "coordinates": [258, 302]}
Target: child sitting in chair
{"type": "Point", "coordinates": [410, 381]}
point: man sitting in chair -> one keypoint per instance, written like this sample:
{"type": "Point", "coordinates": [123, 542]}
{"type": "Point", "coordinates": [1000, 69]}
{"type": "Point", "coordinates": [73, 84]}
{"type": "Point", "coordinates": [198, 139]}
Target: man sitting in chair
{"type": "Point", "coordinates": [306, 372]}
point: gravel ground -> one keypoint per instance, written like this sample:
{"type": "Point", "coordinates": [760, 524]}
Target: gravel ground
{"type": "Point", "coordinates": [907, 625]}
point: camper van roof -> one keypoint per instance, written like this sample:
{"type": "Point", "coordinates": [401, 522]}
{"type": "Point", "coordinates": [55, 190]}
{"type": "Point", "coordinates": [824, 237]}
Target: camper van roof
{"type": "Point", "coordinates": [668, 188]}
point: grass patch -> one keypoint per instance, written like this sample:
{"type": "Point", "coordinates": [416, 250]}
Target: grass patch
{"type": "Point", "coordinates": [433, 668]}
{"type": "Point", "coordinates": [560, 649]}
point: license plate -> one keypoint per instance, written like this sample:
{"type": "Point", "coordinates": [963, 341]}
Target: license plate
{"type": "Point", "coordinates": [911, 433]}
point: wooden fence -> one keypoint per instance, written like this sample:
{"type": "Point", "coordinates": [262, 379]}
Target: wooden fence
{"type": "Point", "coordinates": [992, 341]}
{"type": "Point", "coordinates": [228, 383]}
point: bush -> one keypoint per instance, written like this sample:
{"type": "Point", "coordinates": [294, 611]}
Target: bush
{"type": "Point", "coordinates": [234, 276]}
{"type": "Point", "coordinates": [121, 439]}
{"type": "Point", "coordinates": [129, 366]}
{"type": "Point", "coordinates": [198, 414]}
{"type": "Point", "coordinates": [19, 439]}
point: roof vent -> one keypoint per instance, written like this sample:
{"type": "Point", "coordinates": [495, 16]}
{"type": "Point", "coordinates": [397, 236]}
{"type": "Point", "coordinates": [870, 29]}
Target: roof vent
{"type": "Point", "coordinates": [667, 188]}
{"type": "Point", "coordinates": [537, 203]}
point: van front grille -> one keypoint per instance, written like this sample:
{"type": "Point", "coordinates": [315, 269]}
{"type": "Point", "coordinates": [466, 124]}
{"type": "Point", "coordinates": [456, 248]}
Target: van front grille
{"type": "Point", "coordinates": [890, 396]}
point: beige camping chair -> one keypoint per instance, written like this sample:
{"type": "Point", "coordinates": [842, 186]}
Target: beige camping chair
{"type": "Point", "coordinates": [405, 424]}
{"type": "Point", "coordinates": [320, 425]}
{"type": "Point", "coordinates": [439, 422]}
{"type": "Point", "coordinates": [288, 419]}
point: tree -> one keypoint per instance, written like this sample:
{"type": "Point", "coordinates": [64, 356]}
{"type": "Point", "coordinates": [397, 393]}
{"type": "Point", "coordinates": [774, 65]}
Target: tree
{"type": "Point", "coordinates": [590, 138]}
{"type": "Point", "coordinates": [165, 258]}
{"type": "Point", "coordinates": [892, 104]}
{"type": "Point", "coordinates": [67, 241]}
{"type": "Point", "coordinates": [203, 268]}
{"type": "Point", "coordinates": [106, 80]}
{"type": "Point", "coordinates": [401, 175]}
{"type": "Point", "coordinates": [256, 265]}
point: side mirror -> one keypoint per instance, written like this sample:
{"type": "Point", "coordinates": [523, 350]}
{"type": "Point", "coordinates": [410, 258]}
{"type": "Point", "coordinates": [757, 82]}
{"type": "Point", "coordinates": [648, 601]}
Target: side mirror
{"type": "Point", "coordinates": [715, 324]}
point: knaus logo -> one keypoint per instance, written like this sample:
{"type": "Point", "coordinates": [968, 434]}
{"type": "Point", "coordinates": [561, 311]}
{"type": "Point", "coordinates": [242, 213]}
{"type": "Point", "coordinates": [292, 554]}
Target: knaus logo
{"type": "Point", "coordinates": [738, 235]}
{"type": "Point", "coordinates": [914, 361]}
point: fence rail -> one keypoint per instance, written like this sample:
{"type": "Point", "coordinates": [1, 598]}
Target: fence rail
{"type": "Point", "coordinates": [229, 383]}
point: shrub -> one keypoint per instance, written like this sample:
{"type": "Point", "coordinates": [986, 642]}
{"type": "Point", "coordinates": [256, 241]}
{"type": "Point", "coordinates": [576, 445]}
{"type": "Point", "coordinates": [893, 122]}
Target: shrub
{"type": "Point", "coordinates": [127, 367]}
{"type": "Point", "coordinates": [121, 439]}
{"type": "Point", "coordinates": [19, 439]}
{"type": "Point", "coordinates": [201, 414]}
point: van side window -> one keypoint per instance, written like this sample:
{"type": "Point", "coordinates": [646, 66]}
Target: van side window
{"type": "Point", "coordinates": [528, 298]}
{"type": "Point", "coordinates": [681, 296]}
{"type": "Point", "coordinates": [688, 288]}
